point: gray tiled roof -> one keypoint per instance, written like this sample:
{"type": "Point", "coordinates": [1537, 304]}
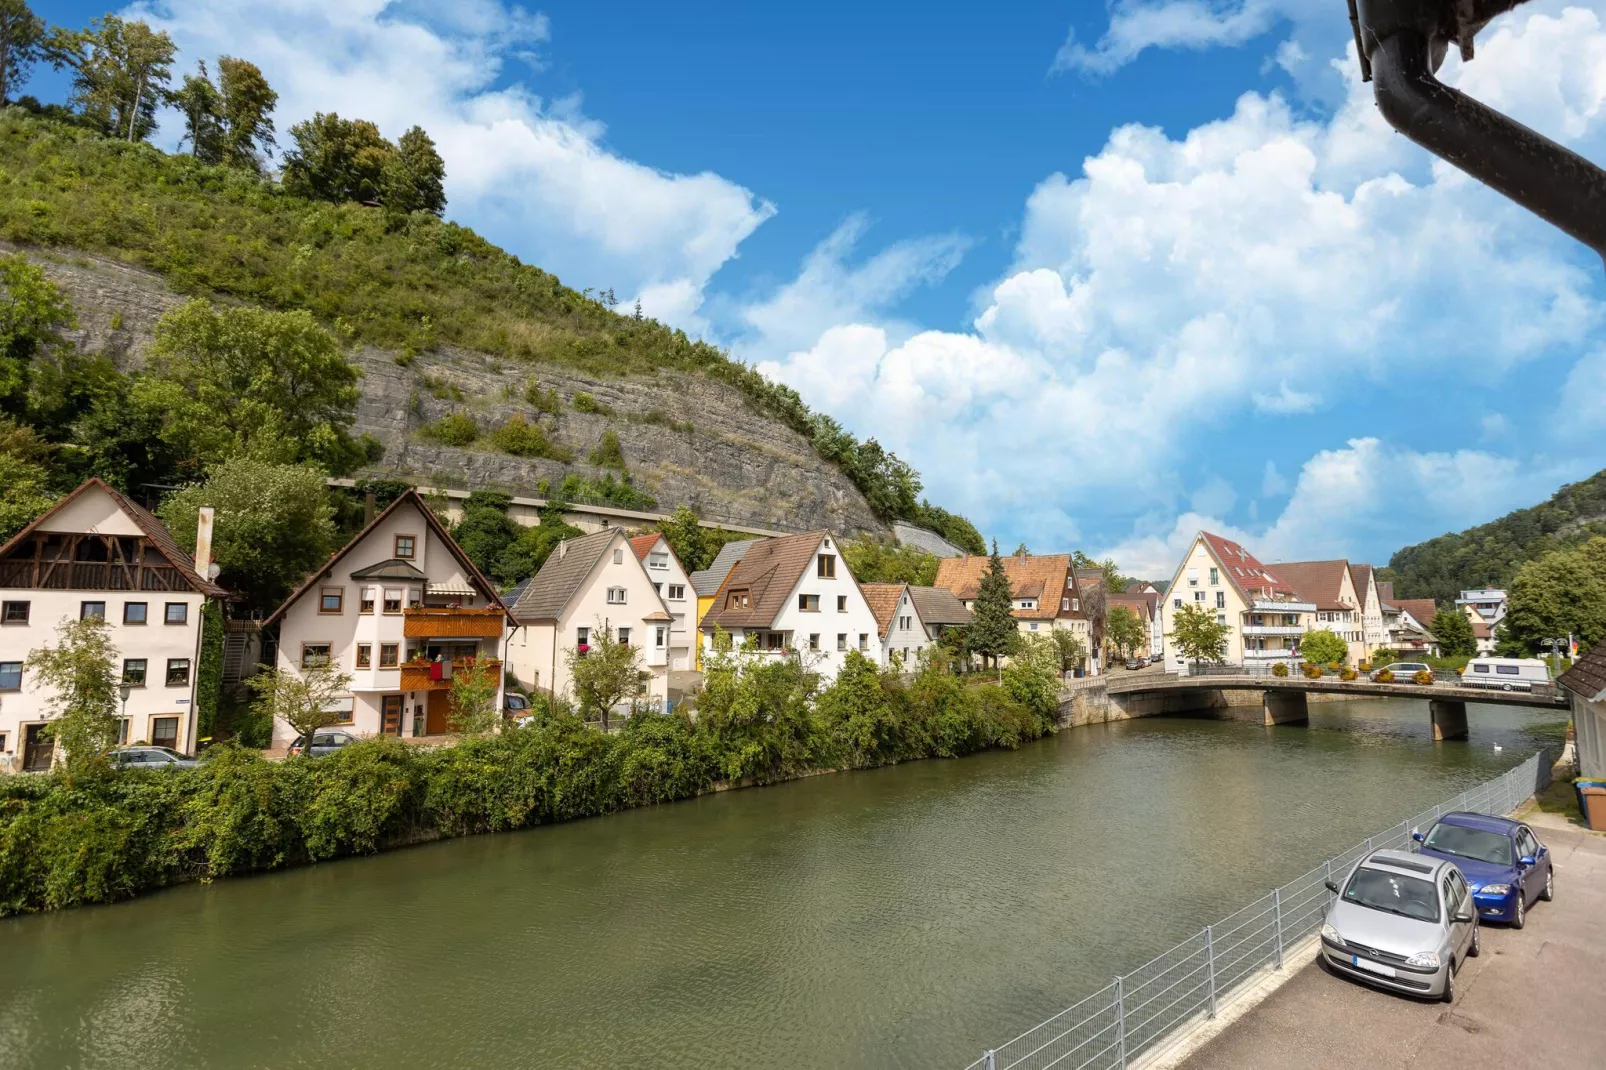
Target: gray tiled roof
{"type": "Point", "coordinates": [938, 606]}
{"type": "Point", "coordinates": [1587, 677]}
{"type": "Point", "coordinates": [550, 589]}
{"type": "Point", "coordinates": [707, 581]}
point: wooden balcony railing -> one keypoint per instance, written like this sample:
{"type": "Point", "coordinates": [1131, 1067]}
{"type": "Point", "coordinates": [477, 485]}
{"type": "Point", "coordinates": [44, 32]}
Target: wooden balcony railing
{"type": "Point", "coordinates": [441, 622]}
{"type": "Point", "coordinates": [431, 675]}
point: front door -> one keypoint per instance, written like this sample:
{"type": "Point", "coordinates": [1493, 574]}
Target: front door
{"type": "Point", "coordinates": [390, 715]}
{"type": "Point", "coordinates": [37, 750]}
{"type": "Point", "coordinates": [438, 717]}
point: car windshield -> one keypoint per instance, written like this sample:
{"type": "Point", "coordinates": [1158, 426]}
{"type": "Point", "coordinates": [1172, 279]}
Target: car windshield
{"type": "Point", "coordinates": [1476, 844]}
{"type": "Point", "coordinates": [1395, 893]}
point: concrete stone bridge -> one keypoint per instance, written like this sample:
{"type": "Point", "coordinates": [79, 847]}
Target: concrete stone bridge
{"type": "Point", "coordinates": [1150, 693]}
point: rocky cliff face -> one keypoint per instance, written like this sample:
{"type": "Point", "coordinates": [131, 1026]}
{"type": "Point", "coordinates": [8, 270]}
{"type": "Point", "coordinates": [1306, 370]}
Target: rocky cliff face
{"type": "Point", "coordinates": [685, 439]}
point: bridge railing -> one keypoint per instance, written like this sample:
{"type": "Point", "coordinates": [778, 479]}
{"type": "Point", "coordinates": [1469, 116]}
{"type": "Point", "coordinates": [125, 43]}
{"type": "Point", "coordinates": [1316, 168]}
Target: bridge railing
{"type": "Point", "coordinates": [1136, 1013]}
{"type": "Point", "coordinates": [1448, 677]}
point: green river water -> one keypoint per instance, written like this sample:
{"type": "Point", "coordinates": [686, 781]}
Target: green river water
{"type": "Point", "coordinates": [898, 917]}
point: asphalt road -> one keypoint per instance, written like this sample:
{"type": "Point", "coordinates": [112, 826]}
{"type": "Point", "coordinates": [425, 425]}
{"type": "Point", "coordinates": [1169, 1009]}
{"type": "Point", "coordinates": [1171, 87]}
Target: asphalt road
{"type": "Point", "coordinates": [1535, 998]}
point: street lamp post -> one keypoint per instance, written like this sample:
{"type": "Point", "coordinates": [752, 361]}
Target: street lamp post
{"type": "Point", "coordinates": [123, 692]}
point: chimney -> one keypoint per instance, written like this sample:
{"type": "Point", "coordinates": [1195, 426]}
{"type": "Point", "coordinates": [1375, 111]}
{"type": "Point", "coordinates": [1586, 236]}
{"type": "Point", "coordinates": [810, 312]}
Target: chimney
{"type": "Point", "coordinates": [369, 507]}
{"type": "Point", "coordinates": [203, 539]}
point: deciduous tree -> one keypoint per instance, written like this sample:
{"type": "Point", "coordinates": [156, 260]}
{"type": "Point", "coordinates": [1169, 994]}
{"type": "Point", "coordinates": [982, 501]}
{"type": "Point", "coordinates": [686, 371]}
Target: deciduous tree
{"type": "Point", "coordinates": [1125, 630]}
{"type": "Point", "coordinates": [246, 112]}
{"type": "Point", "coordinates": [1323, 646]}
{"type": "Point", "coordinates": [874, 560]}
{"type": "Point", "coordinates": [81, 672]}
{"type": "Point", "coordinates": [684, 533]}
{"type": "Point", "coordinates": [1071, 648]}
{"type": "Point", "coordinates": [415, 177]}
{"type": "Point", "coordinates": [120, 69]}
{"type": "Point", "coordinates": [607, 674]}
{"type": "Point", "coordinates": [22, 44]}
{"type": "Point", "coordinates": [1454, 632]}
{"type": "Point", "coordinates": [306, 700]}
{"type": "Point", "coordinates": [473, 704]}
{"type": "Point", "coordinates": [1197, 634]}
{"type": "Point", "coordinates": [33, 313]}
{"type": "Point", "coordinates": [1560, 594]}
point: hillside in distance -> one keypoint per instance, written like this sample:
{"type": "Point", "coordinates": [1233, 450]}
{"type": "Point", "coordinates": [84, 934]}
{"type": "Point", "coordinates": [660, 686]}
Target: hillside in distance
{"type": "Point", "coordinates": [1490, 554]}
{"type": "Point", "coordinates": [443, 324]}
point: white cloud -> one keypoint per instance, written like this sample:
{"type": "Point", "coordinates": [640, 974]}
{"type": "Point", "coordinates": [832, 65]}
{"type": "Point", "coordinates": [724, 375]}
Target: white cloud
{"type": "Point", "coordinates": [1177, 286]}
{"type": "Point", "coordinates": [1138, 25]}
{"type": "Point", "coordinates": [1273, 484]}
{"type": "Point", "coordinates": [1494, 425]}
{"type": "Point", "coordinates": [1214, 496]}
{"type": "Point", "coordinates": [534, 174]}
{"type": "Point", "coordinates": [1581, 413]}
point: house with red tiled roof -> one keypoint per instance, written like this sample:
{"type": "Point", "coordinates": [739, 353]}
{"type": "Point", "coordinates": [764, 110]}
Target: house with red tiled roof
{"type": "Point", "coordinates": [1046, 595]}
{"type": "Point", "coordinates": [912, 618]}
{"type": "Point", "coordinates": [1265, 616]}
{"type": "Point", "coordinates": [673, 584]}
{"type": "Point", "coordinates": [1412, 632]}
{"type": "Point", "coordinates": [1339, 606]}
{"type": "Point", "coordinates": [1144, 606]}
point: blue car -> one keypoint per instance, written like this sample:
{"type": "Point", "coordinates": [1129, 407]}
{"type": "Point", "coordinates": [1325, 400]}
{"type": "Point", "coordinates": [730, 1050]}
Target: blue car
{"type": "Point", "coordinates": [1504, 863]}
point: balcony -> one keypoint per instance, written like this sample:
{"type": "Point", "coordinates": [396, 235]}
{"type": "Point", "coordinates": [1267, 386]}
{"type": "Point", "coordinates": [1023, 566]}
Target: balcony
{"type": "Point", "coordinates": [1268, 605]}
{"type": "Point", "coordinates": [444, 622]}
{"type": "Point", "coordinates": [433, 675]}
{"type": "Point", "coordinates": [1270, 655]}
{"type": "Point", "coordinates": [1272, 629]}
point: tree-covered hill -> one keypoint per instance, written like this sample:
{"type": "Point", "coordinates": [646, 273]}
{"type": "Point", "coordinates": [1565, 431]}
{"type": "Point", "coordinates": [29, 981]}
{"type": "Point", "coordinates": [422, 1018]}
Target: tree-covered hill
{"type": "Point", "coordinates": [405, 282]}
{"type": "Point", "coordinates": [1489, 555]}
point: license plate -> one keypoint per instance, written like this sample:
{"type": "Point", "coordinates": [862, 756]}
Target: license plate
{"type": "Point", "coordinates": [1373, 967]}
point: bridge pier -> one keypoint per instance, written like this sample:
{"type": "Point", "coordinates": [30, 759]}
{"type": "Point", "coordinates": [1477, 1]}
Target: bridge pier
{"type": "Point", "coordinates": [1286, 707]}
{"type": "Point", "coordinates": [1449, 718]}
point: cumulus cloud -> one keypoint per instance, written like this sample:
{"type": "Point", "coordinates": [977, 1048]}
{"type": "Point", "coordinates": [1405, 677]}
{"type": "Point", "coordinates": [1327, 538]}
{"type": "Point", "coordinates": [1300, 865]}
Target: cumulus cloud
{"type": "Point", "coordinates": [535, 173]}
{"type": "Point", "coordinates": [1138, 25]}
{"type": "Point", "coordinates": [1176, 285]}
{"type": "Point", "coordinates": [1580, 414]}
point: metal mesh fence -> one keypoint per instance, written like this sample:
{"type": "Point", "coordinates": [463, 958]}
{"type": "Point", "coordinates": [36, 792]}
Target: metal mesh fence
{"type": "Point", "coordinates": [1112, 1027]}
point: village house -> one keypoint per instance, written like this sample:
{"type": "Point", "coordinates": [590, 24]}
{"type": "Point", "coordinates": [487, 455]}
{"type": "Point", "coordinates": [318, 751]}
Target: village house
{"type": "Point", "coordinates": [1265, 616]}
{"type": "Point", "coordinates": [1413, 628]}
{"type": "Point", "coordinates": [795, 594]}
{"type": "Point", "coordinates": [588, 586]}
{"type": "Point", "coordinates": [911, 618]}
{"type": "Point", "coordinates": [400, 608]}
{"type": "Point", "coordinates": [707, 582]}
{"type": "Point", "coordinates": [669, 579]}
{"type": "Point", "coordinates": [1585, 686]}
{"type": "Point", "coordinates": [1144, 606]}
{"type": "Point", "coordinates": [1043, 587]}
{"type": "Point", "coordinates": [1373, 634]}
{"type": "Point", "coordinates": [1331, 586]}
{"type": "Point", "coordinates": [97, 554]}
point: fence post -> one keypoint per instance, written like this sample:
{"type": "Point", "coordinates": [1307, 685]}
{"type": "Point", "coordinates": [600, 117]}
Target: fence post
{"type": "Point", "coordinates": [988, 1062]}
{"type": "Point", "coordinates": [1277, 922]}
{"type": "Point", "coordinates": [1120, 1017]}
{"type": "Point", "coordinates": [1210, 965]}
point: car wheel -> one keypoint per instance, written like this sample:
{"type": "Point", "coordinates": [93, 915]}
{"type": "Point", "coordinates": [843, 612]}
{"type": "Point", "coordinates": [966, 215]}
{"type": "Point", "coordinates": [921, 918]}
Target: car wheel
{"type": "Point", "coordinates": [1520, 918]}
{"type": "Point", "coordinates": [1550, 884]}
{"type": "Point", "coordinates": [1476, 947]}
{"type": "Point", "coordinates": [1448, 995]}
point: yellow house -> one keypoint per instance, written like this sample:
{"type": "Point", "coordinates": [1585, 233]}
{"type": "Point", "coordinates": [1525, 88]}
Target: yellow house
{"type": "Point", "coordinates": [708, 582]}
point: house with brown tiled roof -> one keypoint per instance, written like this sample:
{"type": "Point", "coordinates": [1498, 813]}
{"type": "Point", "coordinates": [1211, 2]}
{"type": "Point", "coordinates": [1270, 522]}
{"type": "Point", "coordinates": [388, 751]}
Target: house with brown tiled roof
{"type": "Point", "coordinates": [1265, 616]}
{"type": "Point", "coordinates": [1046, 595]}
{"type": "Point", "coordinates": [1364, 578]}
{"type": "Point", "coordinates": [1412, 632]}
{"type": "Point", "coordinates": [912, 618]}
{"type": "Point", "coordinates": [1146, 608]}
{"type": "Point", "coordinates": [1339, 606]}
{"type": "Point", "coordinates": [794, 595]}
{"type": "Point", "coordinates": [674, 586]}
{"type": "Point", "coordinates": [96, 553]}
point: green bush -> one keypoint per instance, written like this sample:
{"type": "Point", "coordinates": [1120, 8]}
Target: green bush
{"type": "Point", "coordinates": [453, 429]}
{"type": "Point", "coordinates": [584, 402]}
{"type": "Point", "coordinates": [521, 438]}
{"type": "Point", "coordinates": [607, 453]}
{"type": "Point", "coordinates": [1279, 670]}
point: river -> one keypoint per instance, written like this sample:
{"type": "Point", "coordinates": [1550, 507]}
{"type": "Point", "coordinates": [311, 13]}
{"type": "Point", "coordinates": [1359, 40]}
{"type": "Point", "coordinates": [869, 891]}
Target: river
{"type": "Point", "coordinates": [896, 917]}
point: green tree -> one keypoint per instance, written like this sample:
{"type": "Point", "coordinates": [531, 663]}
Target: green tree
{"type": "Point", "coordinates": [684, 533]}
{"type": "Point", "coordinates": [306, 701]}
{"type": "Point", "coordinates": [473, 701]}
{"type": "Point", "coordinates": [875, 560]}
{"type": "Point", "coordinates": [607, 454]}
{"type": "Point", "coordinates": [336, 159]}
{"type": "Point", "coordinates": [1323, 646]}
{"type": "Point", "coordinates": [1560, 594]}
{"type": "Point", "coordinates": [198, 100]}
{"type": "Point", "coordinates": [120, 74]}
{"type": "Point", "coordinates": [992, 632]}
{"type": "Point", "coordinates": [246, 380]}
{"type": "Point", "coordinates": [81, 671]}
{"type": "Point", "coordinates": [33, 313]}
{"type": "Point", "coordinates": [246, 112]}
{"type": "Point", "coordinates": [859, 713]}
{"type": "Point", "coordinates": [25, 490]}
{"type": "Point", "coordinates": [1125, 630]}
{"type": "Point", "coordinates": [273, 525]}
{"type": "Point", "coordinates": [485, 530]}
{"type": "Point", "coordinates": [415, 175]}
{"type": "Point", "coordinates": [1032, 676]}
{"type": "Point", "coordinates": [22, 44]}
{"type": "Point", "coordinates": [525, 555]}
{"type": "Point", "coordinates": [1454, 632]}
{"type": "Point", "coordinates": [1071, 649]}
{"type": "Point", "coordinates": [1197, 634]}
{"type": "Point", "coordinates": [608, 674]}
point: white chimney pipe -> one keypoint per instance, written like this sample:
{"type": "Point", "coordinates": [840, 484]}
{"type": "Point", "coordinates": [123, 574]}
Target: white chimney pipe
{"type": "Point", "coordinates": [203, 539]}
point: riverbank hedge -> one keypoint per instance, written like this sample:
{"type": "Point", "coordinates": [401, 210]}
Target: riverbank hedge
{"type": "Point", "coordinates": [758, 721]}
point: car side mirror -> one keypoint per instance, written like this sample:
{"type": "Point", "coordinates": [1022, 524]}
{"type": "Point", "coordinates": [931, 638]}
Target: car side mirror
{"type": "Point", "coordinates": [1418, 837]}
{"type": "Point", "coordinates": [1526, 860]}
{"type": "Point", "coordinates": [1463, 915]}
{"type": "Point", "coordinates": [1330, 886]}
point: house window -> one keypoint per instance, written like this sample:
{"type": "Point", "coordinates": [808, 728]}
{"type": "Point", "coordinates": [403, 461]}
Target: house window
{"type": "Point", "coordinates": [1065, 605]}
{"type": "Point", "coordinates": [624, 636]}
{"type": "Point", "coordinates": [176, 613]}
{"type": "Point", "coordinates": [618, 557]}
{"type": "Point", "coordinates": [164, 732]}
{"type": "Point", "coordinates": [841, 603]}
{"type": "Point", "coordinates": [314, 654]}
{"type": "Point", "coordinates": [135, 612]}
{"type": "Point", "coordinates": [814, 640]}
{"type": "Point", "coordinates": [1028, 603]}
{"type": "Point", "coordinates": [178, 672]}
{"type": "Point", "coordinates": [1198, 596]}
{"type": "Point", "coordinates": [365, 655]}
{"type": "Point", "coordinates": [825, 568]}
{"type": "Point", "coordinates": [330, 599]}
{"type": "Point", "coordinates": [387, 655]}
{"type": "Point", "coordinates": [1215, 577]}
{"type": "Point", "coordinates": [774, 641]}
{"type": "Point", "coordinates": [393, 600]}
{"type": "Point", "coordinates": [658, 559]}
{"type": "Point", "coordinates": [616, 596]}
{"type": "Point", "coordinates": [864, 640]}
{"type": "Point", "coordinates": [1034, 626]}
{"type": "Point", "coordinates": [808, 603]}
{"type": "Point", "coordinates": [1221, 599]}
{"type": "Point", "coordinates": [677, 592]}
{"type": "Point", "coordinates": [10, 675]}
{"type": "Point", "coordinates": [736, 600]}
{"type": "Point", "coordinates": [92, 610]}
{"type": "Point", "coordinates": [406, 546]}
{"type": "Point", "coordinates": [1193, 577]}
{"type": "Point", "coordinates": [15, 613]}
{"type": "Point", "coordinates": [841, 640]}
{"type": "Point", "coordinates": [365, 600]}
{"type": "Point", "coordinates": [134, 672]}
{"type": "Point", "coordinates": [1076, 605]}
{"type": "Point", "coordinates": [582, 638]}
{"type": "Point", "coordinates": [1176, 603]}
{"type": "Point", "coordinates": [658, 636]}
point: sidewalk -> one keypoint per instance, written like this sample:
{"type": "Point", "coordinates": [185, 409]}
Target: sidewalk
{"type": "Point", "coordinates": [1535, 998]}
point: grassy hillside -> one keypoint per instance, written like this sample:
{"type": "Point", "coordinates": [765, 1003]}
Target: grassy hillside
{"type": "Point", "coordinates": [1490, 554]}
{"type": "Point", "coordinates": [407, 283]}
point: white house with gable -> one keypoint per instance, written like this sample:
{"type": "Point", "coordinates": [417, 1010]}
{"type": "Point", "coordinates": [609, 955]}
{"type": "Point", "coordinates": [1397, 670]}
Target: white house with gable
{"type": "Point", "coordinates": [670, 580]}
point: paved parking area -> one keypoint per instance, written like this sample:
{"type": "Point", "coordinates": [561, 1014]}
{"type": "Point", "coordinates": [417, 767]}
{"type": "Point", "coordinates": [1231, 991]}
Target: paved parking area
{"type": "Point", "coordinates": [1535, 998]}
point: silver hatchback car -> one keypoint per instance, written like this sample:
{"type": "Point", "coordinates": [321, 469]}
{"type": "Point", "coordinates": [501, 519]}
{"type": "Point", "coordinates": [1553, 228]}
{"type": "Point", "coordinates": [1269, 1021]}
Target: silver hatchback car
{"type": "Point", "coordinates": [1402, 921]}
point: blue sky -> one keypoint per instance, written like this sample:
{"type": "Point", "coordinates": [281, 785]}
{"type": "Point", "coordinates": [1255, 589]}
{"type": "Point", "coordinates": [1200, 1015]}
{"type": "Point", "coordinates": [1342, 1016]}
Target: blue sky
{"type": "Point", "coordinates": [1103, 277]}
